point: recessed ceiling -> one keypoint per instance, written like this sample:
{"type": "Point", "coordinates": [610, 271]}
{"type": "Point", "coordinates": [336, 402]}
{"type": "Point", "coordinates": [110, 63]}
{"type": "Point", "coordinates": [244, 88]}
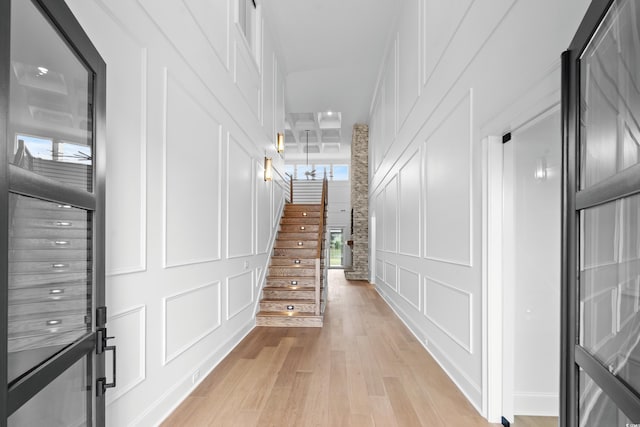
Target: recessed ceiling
{"type": "Point", "coordinates": [321, 132]}
{"type": "Point", "coordinates": [331, 51]}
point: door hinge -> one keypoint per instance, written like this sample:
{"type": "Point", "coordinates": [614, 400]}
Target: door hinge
{"type": "Point", "coordinates": [101, 317]}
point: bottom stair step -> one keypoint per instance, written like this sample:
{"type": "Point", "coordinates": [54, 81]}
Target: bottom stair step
{"type": "Point", "coordinates": [304, 305]}
{"type": "Point", "coordinates": [288, 319]}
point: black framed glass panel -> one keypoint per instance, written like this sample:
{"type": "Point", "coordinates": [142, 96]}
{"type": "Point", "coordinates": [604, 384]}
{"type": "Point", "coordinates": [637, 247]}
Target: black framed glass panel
{"type": "Point", "coordinates": [51, 103]}
{"type": "Point", "coordinates": [610, 96]}
{"type": "Point", "coordinates": [596, 408]}
{"type": "Point", "coordinates": [66, 401]}
{"type": "Point", "coordinates": [50, 280]}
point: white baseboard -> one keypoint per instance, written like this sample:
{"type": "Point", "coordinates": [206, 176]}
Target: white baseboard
{"type": "Point", "coordinates": [536, 404]}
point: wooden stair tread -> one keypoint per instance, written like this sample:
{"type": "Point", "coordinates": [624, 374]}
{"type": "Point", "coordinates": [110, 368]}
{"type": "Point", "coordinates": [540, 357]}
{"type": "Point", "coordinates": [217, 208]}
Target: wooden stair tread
{"type": "Point", "coordinates": [293, 301]}
{"type": "Point", "coordinates": [289, 288]}
{"type": "Point", "coordinates": [286, 314]}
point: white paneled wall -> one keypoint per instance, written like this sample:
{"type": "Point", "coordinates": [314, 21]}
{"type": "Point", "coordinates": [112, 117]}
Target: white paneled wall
{"type": "Point", "coordinates": [191, 113]}
{"type": "Point", "coordinates": [454, 73]}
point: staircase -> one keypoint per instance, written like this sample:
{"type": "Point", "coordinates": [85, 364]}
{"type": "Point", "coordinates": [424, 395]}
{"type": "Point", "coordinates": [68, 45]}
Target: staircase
{"type": "Point", "coordinates": [294, 293]}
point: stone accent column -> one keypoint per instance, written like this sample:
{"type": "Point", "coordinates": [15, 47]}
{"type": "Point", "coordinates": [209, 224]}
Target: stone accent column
{"type": "Point", "coordinates": [359, 203]}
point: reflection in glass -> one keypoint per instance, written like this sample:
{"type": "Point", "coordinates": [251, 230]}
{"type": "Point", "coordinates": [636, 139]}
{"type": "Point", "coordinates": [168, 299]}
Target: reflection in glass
{"type": "Point", "coordinates": [596, 409]}
{"type": "Point", "coordinates": [50, 117]}
{"type": "Point", "coordinates": [610, 286]}
{"type": "Point", "coordinates": [610, 96]}
{"type": "Point", "coordinates": [49, 280]}
{"type": "Point", "coordinates": [62, 403]}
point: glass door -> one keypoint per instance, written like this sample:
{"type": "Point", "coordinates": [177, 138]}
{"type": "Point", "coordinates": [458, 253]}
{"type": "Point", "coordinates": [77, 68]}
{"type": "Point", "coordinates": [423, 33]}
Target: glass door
{"type": "Point", "coordinates": [336, 244]}
{"type": "Point", "coordinates": [52, 91]}
{"type": "Point", "coordinates": [601, 224]}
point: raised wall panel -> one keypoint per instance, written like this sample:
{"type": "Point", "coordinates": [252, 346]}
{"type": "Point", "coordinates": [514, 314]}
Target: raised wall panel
{"type": "Point", "coordinates": [409, 287]}
{"type": "Point", "coordinates": [380, 237]}
{"type": "Point", "coordinates": [240, 200]}
{"type": "Point", "coordinates": [279, 95]}
{"type": "Point", "coordinates": [391, 216]}
{"type": "Point", "coordinates": [247, 76]}
{"type": "Point", "coordinates": [268, 90]}
{"type": "Point", "coordinates": [189, 316]}
{"type": "Point", "coordinates": [390, 98]}
{"type": "Point", "coordinates": [441, 300]}
{"type": "Point", "coordinates": [264, 210]}
{"type": "Point", "coordinates": [390, 274]}
{"type": "Point", "coordinates": [213, 19]}
{"type": "Point", "coordinates": [129, 329]}
{"type": "Point", "coordinates": [376, 131]}
{"type": "Point", "coordinates": [239, 293]}
{"type": "Point", "coordinates": [410, 218]}
{"type": "Point", "coordinates": [441, 22]}
{"type": "Point", "coordinates": [448, 187]}
{"type": "Point", "coordinates": [409, 56]}
{"type": "Point", "coordinates": [379, 271]}
{"type": "Point", "coordinates": [127, 130]}
{"type": "Point", "coordinates": [192, 182]}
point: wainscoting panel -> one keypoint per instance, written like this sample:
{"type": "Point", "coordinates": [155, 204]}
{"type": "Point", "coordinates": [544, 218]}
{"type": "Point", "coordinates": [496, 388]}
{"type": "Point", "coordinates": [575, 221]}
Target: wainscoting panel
{"type": "Point", "coordinates": [127, 113]}
{"type": "Point", "coordinates": [410, 216]}
{"type": "Point", "coordinates": [212, 18]}
{"type": "Point", "coordinates": [239, 293]}
{"type": "Point", "coordinates": [240, 210]}
{"type": "Point", "coordinates": [409, 286]}
{"type": "Point", "coordinates": [409, 58]}
{"type": "Point", "coordinates": [391, 216]}
{"type": "Point", "coordinates": [441, 23]}
{"type": "Point", "coordinates": [189, 316]}
{"type": "Point", "coordinates": [192, 224]}
{"type": "Point", "coordinates": [129, 329]}
{"type": "Point", "coordinates": [450, 309]}
{"type": "Point", "coordinates": [379, 271]}
{"type": "Point", "coordinates": [247, 76]}
{"type": "Point", "coordinates": [264, 192]}
{"type": "Point", "coordinates": [448, 189]}
{"type": "Point", "coordinates": [391, 275]}
{"type": "Point", "coordinates": [390, 99]}
{"type": "Point", "coordinates": [380, 218]}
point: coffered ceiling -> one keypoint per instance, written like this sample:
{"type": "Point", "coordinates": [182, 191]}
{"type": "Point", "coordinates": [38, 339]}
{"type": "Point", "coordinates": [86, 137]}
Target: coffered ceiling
{"type": "Point", "coordinates": [331, 51]}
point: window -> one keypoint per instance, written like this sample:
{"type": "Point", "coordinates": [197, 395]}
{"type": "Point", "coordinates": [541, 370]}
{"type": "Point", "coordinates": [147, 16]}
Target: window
{"type": "Point", "coordinates": [321, 170]}
{"type": "Point", "coordinates": [334, 172]}
{"type": "Point", "coordinates": [340, 173]}
{"type": "Point", "coordinates": [291, 170]}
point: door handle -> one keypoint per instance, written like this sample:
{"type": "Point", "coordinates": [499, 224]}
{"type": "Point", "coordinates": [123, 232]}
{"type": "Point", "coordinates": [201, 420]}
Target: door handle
{"type": "Point", "coordinates": [102, 385]}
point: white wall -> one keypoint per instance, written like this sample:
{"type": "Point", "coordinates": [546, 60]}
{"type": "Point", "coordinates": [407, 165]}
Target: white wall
{"type": "Point", "coordinates": [190, 116]}
{"type": "Point", "coordinates": [454, 73]}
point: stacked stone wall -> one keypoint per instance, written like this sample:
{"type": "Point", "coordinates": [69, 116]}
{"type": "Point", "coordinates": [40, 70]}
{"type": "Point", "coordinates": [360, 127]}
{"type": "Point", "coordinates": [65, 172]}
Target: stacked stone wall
{"type": "Point", "coordinates": [360, 203]}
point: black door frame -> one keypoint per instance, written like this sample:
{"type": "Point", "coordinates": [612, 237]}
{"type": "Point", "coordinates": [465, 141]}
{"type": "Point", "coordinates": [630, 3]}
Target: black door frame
{"type": "Point", "coordinates": [13, 179]}
{"type": "Point", "coordinates": [623, 184]}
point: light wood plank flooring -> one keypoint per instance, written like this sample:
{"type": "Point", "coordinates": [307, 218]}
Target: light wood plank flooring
{"type": "Point", "coordinates": [363, 368]}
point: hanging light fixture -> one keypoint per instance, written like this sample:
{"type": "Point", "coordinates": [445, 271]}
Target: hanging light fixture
{"type": "Point", "coordinates": [309, 173]}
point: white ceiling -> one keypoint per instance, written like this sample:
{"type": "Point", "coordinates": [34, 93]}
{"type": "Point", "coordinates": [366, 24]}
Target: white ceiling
{"type": "Point", "coordinates": [331, 51]}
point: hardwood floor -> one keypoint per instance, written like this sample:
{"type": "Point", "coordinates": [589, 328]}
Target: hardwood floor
{"type": "Point", "coordinates": [363, 368]}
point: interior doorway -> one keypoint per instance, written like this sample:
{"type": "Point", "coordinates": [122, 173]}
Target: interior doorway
{"type": "Point", "coordinates": [531, 267]}
{"type": "Point", "coordinates": [336, 248]}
